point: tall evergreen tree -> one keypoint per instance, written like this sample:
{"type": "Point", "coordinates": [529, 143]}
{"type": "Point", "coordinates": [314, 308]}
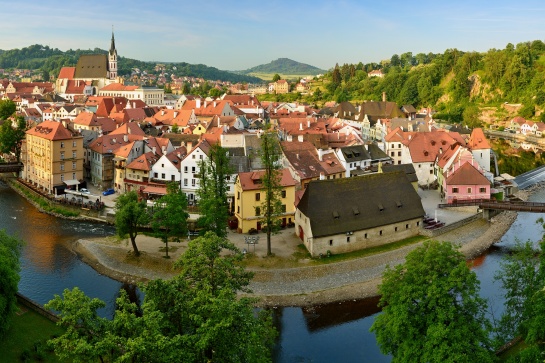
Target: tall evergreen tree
{"type": "Point", "coordinates": [271, 207]}
{"type": "Point", "coordinates": [212, 194]}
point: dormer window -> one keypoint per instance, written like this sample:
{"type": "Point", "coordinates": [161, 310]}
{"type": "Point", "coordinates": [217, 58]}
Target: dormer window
{"type": "Point", "coordinates": [380, 207]}
{"type": "Point", "coordinates": [356, 211]}
{"type": "Point", "coordinates": [336, 214]}
{"type": "Point", "coordinates": [399, 204]}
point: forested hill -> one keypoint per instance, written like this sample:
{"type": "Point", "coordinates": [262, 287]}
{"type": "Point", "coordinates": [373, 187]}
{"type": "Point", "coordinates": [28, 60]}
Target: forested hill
{"type": "Point", "coordinates": [284, 66]}
{"type": "Point", "coordinates": [50, 61]}
{"type": "Point", "coordinates": [460, 85]}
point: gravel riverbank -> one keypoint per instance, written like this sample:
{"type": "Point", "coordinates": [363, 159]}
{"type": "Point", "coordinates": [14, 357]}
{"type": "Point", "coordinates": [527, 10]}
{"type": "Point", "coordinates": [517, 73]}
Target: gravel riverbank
{"type": "Point", "coordinates": [307, 285]}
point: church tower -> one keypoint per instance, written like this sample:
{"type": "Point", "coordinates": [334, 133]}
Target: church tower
{"type": "Point", "coordinates": [112, 59]}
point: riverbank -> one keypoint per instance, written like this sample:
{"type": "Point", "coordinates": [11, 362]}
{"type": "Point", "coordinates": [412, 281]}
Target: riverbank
{"type": "Point", "coordinates": [294, 286]}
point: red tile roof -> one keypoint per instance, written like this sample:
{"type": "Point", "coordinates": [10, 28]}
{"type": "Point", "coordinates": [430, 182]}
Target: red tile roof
{"type": "Point", "coordinates": [50, 130]}
{"type": "Point", "coordinates": [477, 140]}
{"type": "Point", "coordinates": [467, 174]}
{"type": "Point", "coordinates": [252, 180]}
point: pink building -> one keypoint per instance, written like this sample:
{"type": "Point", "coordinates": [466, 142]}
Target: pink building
{"type": "Point", "coordinates": [466, 183]}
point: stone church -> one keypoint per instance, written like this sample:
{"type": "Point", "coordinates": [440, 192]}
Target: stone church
{"type": "Point", "coordinates": [91, 73]}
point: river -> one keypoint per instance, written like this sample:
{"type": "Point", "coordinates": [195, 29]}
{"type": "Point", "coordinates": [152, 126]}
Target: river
{"type": "Point", "coordinates": [325, 333]}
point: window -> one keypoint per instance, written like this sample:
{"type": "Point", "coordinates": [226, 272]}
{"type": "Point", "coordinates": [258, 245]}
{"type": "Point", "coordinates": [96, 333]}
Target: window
{"type": "Point", "coordinates": [73, 164]}
{"type": "Point", "coordinates": [406, 226]}
{"type": "Point", "coordinates": [155, 175]}
{"type": "Point", "coordinates": [62, 177]}
{"type": "Point", "coordinates": [62, 155]}
{"type": "Point", "coordinates": [257, 197]}
{"type": "Point", "coordinates": [74, 143]}
{"type": "Point", "coordinates": [193, 156]}
{"type": "Point", "coordinates": [392, 153]}
{"type": "Point", "coordinates": [238, 208]}
{"type": "Point", "coordinates": [185, 182]}
{"type": "Point", "coordinates": [62, 167]}
{"type": "Point", "coordinates": [431, 172]}
{"type": "Point", "coordinates": [380, 232]}
{"type": "Point", "coordinates": [238, 195]}
{"type": "Point", "coordinates": [365, 235]}
{"type": "Point", "coordinates": [283, 193]}
{"type": "Point", "coordinates": [192, 182]}
{"type": "Point", "coordinates": [331, 242]}
{"type": "Point", "coordinates": [348, 239]}
{"type": "Point", "coordinates": [257, 211]}
{"type": "Point", "coordinates": [469, 190]}
{"type": "Point", "coordinates": [395, 229]}
{"type": "Point", "coordinates": [74, 154]}
{"type": "Point", "coordinates": [482, 190]}
{"type": "Point", "coordinates": [162, 175]}
{"type": "Point", "coordinates": [185, 169]}
{"type": "Point", "coordinates": [193, 169]}
{"type": "Point", "coordinates": [283, 208]}
{"type": "Point", "coordinates": [172, 178]}
{"type": "Point", "coordinates": [399, 153]}
{"type": "Point", "coordinates": [73, 175]}
{"type": "Point", "coordinates": [454, 190]}
{"type": "Point", "coordinates": [200, 157]}
{"type": "Point", "coordinates": [62, 144]}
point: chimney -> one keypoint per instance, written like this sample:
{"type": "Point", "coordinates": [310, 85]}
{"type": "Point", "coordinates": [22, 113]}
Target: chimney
{"type": "Point", "coordinates": [162, 112]}
{"type": "Point", "coordinates": [198, 103]}
{"type": "Point", "coordinates": [154, 149]}
{"type": "Point", "coordinates": [205, 104]}
{"type": "Point", "coordinates": [300, 126]}
{"type": "Point", "coordinates": [297, 155]}
{"type": "Point", "coordinates": [219, 124]}
{"type": "Point", "coordinates": [164, 149]}
{"type": "Point", "coordinates": [175, 113]}
{"type": "Point", "coordinates": [383, 96]}
{"type": "Point", "coordinates": [308, 124]}
{"type": "Point", "coordinates": [300, 138]}
{"type": "Point", "coordinates": [321, 154]}
{"type": "Point", "coordinates": [322, 176]}
{"type": "Point", "coordinates": [215, 104]}
{"type": "Point", "coordinates": [126, 138]}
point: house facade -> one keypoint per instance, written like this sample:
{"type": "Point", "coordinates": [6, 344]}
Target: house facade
{"type": "Point", "coordinates": [53, 158]}
{"type": "Point", "coordinates": [350, 214]}
{"type": "Point", "coordinates": [249, 197]}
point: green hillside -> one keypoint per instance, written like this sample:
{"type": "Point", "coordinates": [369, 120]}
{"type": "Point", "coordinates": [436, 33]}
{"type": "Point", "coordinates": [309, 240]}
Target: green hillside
{"type": "Point", "coordinates": [50, 61]}
{"type": "Point", "coordinates": [284, 66]}
{"type": "Point", "coordinates": [468, 87]}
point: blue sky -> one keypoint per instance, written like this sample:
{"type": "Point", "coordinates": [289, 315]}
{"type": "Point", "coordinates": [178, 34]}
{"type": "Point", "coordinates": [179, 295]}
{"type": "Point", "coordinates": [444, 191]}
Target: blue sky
{"type": "Point", "coordinates": [238, 35]}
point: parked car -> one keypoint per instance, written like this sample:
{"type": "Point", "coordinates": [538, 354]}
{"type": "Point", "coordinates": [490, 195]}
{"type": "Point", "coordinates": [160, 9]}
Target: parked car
{"type": "Point", "coordinates": [84, 191]}
{"type": "Point", "coordinates": [108, 191]}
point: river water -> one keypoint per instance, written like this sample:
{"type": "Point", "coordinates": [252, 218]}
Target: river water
{"type": "Point", "coordinates": [326, 333]}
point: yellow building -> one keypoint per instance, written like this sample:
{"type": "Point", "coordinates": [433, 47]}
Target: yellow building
{"type": "Point", "coordinates": [249, 197]}
{"type": "Point", "coordinates": [53, 157]}
{"type": "Point", "coordinates": [281, 86]}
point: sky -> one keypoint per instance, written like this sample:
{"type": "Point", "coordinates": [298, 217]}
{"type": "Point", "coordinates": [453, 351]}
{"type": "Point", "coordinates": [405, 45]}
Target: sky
{"type": "Point", "coordinates": [237, 35]}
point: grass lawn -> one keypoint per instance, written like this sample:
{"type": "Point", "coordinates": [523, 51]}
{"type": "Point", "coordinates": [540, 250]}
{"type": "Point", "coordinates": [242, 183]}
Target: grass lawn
{"type": "Point", "coordinates": [27, 338]}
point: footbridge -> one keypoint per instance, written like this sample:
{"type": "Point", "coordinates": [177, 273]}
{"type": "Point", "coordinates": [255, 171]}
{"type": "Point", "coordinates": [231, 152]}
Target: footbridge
{"type": "Point", "coordinates": [492, 204]}
{"type": "Point", "coordinates": [11, 167]}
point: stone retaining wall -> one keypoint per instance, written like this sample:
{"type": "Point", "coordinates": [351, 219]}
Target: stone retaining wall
{"type": "Point", "coordinates": [25, 301]}
{"type": "Point", "coordinates": [439, 231]}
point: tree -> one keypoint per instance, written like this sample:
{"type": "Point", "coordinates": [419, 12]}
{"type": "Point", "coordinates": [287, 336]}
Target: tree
{"type": "Point", "coordinates": [10, 251]}
{"type": "Point", "coordinates": [276, 77]}
{"type": "Point", "coordinates": [175, 128]}
{"type": "Point", "coordinates": [193, 317]}
{"type": "Point", "coordinates": [11, 138]}
{"type": "Point", "coordinates": [186, 88]}
{"type": "Point", "coordinates": [214, 92]}
{"type": "Point", "coordinates": [432, 311]}
{"type": "Point", "coordinates": [169, 216]}
{"type": "Point", "coordinates": [271, 207]}
{"type": "Point", "coordinates": [130, 215]}
{"type": "Point", "coordinates": [7, 108]}
{"type": "Point", "coordinates": [522, 276]}
{"type": "Point", "coordinates": [214, 174]}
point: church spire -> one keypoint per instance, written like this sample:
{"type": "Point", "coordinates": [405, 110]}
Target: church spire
{"type": "Point", "coordinates": [112, 45]}
{"type": "Point", "coordinates": [112, 59]}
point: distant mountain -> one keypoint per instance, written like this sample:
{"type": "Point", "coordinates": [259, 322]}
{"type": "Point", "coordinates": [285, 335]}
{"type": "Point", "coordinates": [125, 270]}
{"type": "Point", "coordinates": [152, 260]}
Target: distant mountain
{"type": "Point", "coordinates": [46, 59]}
{"type": "Point", "coordinates": [284, 66]}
